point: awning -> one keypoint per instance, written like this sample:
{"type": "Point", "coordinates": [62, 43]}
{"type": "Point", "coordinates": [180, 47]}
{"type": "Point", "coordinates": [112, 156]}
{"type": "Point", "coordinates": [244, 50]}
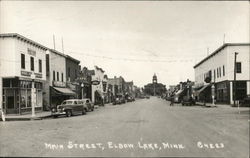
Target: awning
{"type": "Point", "coordinates": [202, 89]}
{"type": "Point", "coordinates": [64, 91]}
{"type": "Point", "coordinates": [179, 92]}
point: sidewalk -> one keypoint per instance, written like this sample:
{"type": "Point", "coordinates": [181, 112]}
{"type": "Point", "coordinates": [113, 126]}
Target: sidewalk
{"type": "Point", "coordinates": [27, 117]}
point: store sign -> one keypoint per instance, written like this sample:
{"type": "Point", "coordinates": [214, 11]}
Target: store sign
{"type": "Point", "coordinates": [31, 52]}
{"type": "Point", "coordinates": [95, 82]}
{"type": "Point", "coordinates": [59, 84]}
{"type": "Point", "coordinates": [25, 73]}
{"type": "Point", "coordinates": [38, 75]}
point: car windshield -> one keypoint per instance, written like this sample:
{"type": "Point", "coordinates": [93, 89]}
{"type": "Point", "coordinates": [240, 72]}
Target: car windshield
{"type": "Point", "coordinates": [68, 102]}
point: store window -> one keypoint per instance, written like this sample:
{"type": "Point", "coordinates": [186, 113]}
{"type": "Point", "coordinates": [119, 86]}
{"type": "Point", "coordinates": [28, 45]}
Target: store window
{"type": "Point", "coordinates": [40, 65]}
{"type": "Point", "coordinates": [223, 70]}
{"type": "Point", "coordinates": [22, 61]}
{"type": "Point", "coordinates": [238, 67]}
{"type": "Point", "coordinates": [32, 63]}
{"type": "Point", "coordinates": [57, 75]}
{"type": "Point", "coordinates": [62, 77]}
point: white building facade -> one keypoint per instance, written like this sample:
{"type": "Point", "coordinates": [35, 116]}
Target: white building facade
{"type": "Point", "coordinates": [23, 73]}
{"type": "Point", "coordinates": [55, 88]}
{"type": "Point", "coordinates": [218, 68]}
{"type": "Point", "coordinates": [99, 84]}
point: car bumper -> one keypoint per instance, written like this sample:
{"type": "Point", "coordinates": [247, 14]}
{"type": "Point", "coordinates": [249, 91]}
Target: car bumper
{"type": "Point", "coordinates": [58, 113]}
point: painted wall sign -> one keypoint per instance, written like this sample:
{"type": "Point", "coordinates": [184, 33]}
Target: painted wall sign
{"type": "Point", "coordinates": [38, 75]}
{"type": "Point", "coordinates": [95, 82]}
{"type": "Point", "coordinates": [25, 73]}
{"type": "Point", "coordinates": [31, 52]}
{"type": "Point", "coordinates": [59, 84]}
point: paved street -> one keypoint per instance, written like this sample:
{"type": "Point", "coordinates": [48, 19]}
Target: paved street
{"type": "Point", "coordinates": [146, 127]}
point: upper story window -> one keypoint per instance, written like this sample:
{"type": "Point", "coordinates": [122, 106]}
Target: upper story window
{"type": "Point", "coordinates": [57, 75]}
{"type": "Point", "coordinates": [214, 75]}
{"type": "Point", "coordinates": [68, 71]}
{"type": "Point", "coordinates": [40, 65]}
{"type": "Point", "coordinates": [62, 77]}
{"type": "Point", "coordinates": [54, 76]}
{"type": "Point", "coordinates": [217, 73]}
{"type": "Point", "coordinates": [223, 70]}
{"type": "Point", "coordinates": [220, 71]}
{"type": "Point", "coordinates": [22, 61]}
{"type": "Point", "coordinates": [238, 67]}
{"type": "Point", "coordinates": [32, 63]}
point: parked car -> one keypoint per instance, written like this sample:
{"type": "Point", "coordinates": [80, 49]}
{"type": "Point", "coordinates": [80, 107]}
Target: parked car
{"type": "Point", "coordinates": [187, 101]}
{"type": "Point", "coordinates": [89, 104]}
{"type": "Point", "coordinates": [130, 99]}
{"type": "Point", "coordinates": [245, 101]}
{"type": "Point", "coordinates": [69, 107]}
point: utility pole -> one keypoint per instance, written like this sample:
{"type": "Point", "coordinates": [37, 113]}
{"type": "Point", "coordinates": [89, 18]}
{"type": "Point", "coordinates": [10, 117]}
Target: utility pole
{"type": "Point", "coordinates": [62, 46]}
{"type": "Point", "coordinates": [54, 42]}
{"type": "Point", "coordinates": [234, 83]}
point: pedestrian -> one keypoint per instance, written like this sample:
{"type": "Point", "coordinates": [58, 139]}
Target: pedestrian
{"type": "Point", "coordinates": [172, 101]}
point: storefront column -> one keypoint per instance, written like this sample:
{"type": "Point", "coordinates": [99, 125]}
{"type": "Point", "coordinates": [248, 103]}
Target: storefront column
{"type": "Point", "coordinates": [248, 87]}
{"type": "Point", "coordinates": [231, 93]}
{"type": "Point", "coordinates": [1, 93]}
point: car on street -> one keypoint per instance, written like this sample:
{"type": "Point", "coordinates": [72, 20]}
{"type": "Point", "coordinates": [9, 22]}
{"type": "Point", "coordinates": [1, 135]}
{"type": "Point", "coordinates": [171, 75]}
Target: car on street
{"type": "Point", "coordinates": [89, 104]}
{"type": "Point", "coordinates": [187, 101]}
{"type": "Point", "coordinates": [69, 108]}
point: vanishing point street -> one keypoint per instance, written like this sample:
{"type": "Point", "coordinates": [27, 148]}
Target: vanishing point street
{"type": "Point", "coordinates": [146, 127]}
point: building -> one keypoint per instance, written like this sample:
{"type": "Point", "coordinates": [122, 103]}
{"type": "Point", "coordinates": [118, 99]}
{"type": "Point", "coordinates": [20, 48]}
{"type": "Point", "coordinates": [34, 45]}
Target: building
{"type": "Point", "coordinates": [116, 86]}
{"type": "Point", "coordinates": [23, 73]}
{"type": "Point", "coordinates": [155, 88]}
{"type": "Point", "coordinates": [84, 80]}
{"type": "Point", "coordinates": [55, 88]}
{"type": "Point", "coordinates": [129, 89]}
{"type": "Point", "coordinates": [218, 69]}
{"type": "Point", "coordinates": [98, 86]}
{"type": "Point", "coordinates": [72, 73]}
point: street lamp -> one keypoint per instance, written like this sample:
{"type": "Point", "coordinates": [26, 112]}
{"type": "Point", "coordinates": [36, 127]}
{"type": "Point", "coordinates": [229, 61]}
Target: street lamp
{"type": "Point", "coordinates": [234, 83]}
{"type": "Point", "coordinates": [82, 86]}
{"type": "Point", "coordinates": [33, 96]}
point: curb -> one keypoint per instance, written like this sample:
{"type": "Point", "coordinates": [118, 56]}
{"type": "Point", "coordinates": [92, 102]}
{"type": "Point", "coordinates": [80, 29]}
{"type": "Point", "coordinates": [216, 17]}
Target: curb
{"type": "Point", "coordinates": [25, 118]}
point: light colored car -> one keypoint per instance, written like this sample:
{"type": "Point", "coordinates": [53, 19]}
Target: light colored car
{"type": "Point", "coordinates": [88, 104]}
{"type": "Point", "coordinates": [70, 107]}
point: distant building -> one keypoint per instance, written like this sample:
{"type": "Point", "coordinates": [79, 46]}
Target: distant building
{"type": "Point", "coordinates": [98, 85]}
{"type": "Point", "coordinates": [117, 86]}
{"type": "Point", "coordinates": [23, 73]}
{"type": "Point", "coordinates": [155, 88]}
{"type": "Point", "coordinates": [218, 69]}
{"type": "Point", "coordinates": [84, 80]}
{"type": "Point", "coordinates": [72, 73]}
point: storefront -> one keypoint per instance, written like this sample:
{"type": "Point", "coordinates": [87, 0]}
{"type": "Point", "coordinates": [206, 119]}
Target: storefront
{"type": "Point", "coordinates": [17, 95]}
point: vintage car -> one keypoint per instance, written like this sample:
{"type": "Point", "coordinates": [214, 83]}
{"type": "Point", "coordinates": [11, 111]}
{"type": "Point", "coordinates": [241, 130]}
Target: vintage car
{"type": "Point", "coordinates": [69, 107]}
{"type": "Point", "coordinates": [89, 104]}
{"type": "Point", "coordinates": [187, 101]}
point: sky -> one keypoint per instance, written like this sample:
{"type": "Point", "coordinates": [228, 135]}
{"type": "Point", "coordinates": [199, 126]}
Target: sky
{"type": "Point", "coordinates": [132, 39]}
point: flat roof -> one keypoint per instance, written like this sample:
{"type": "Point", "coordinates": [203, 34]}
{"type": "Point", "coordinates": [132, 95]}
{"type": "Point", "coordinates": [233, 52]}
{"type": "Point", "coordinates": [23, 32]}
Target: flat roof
{"type": "Point", "coordinates": [16, 35]}
{"type": "Point", "coordinates": [73, 59]}
{"type": "Point", "coordinates": [219, 49]}
{"type": "Point", "coordinates": [57, 52]}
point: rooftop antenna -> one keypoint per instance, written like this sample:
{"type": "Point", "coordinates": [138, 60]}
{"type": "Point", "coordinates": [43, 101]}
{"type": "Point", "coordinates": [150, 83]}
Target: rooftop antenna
{"type": "Point", "coordinates": [54, 42]}
{"type": "Point", "coordinates": [224, 37]}
{"type": "Point", "coordinates": [62, 46]}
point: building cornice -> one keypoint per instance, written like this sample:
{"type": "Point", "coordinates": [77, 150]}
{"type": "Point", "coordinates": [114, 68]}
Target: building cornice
{"type": "Point", "coordinates": [219, 49]}
{"type": "Point", "coordinates": [22, 38]}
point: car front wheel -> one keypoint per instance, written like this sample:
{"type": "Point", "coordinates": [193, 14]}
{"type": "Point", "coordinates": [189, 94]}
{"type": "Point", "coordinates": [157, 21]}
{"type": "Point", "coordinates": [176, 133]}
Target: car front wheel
{"type": "Point", "coordinates": [84, 111]}
{"type": "Point", "coordinates": [68, 113]}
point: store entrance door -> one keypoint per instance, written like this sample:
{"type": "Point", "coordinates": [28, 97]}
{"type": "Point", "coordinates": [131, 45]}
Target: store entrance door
{"type": "Point", "coordinates": [10, 105]}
